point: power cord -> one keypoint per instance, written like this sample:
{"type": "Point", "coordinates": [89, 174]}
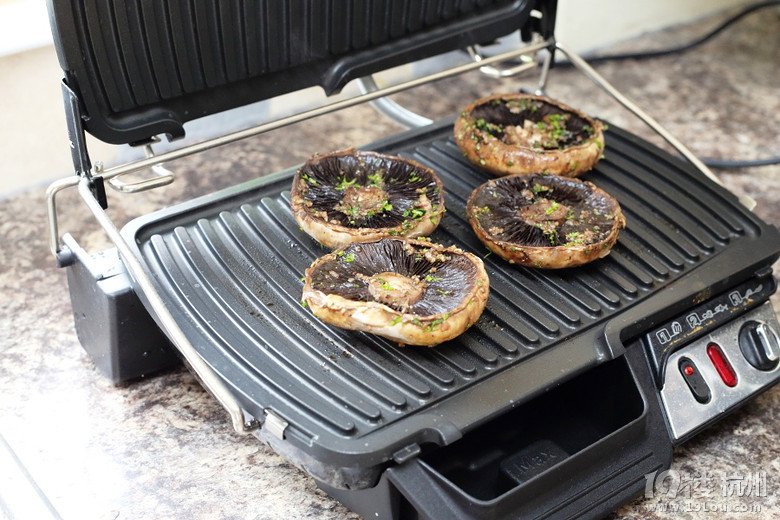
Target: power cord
{"type": "Point", "coordinates": [682, 48]}
{"type": "Point", "coordinates": [713, 163]}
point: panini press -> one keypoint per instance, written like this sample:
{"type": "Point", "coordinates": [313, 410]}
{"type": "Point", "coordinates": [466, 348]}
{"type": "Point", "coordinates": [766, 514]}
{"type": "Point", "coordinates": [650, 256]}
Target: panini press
{"type": "Point", "coordinates": [572, 386]}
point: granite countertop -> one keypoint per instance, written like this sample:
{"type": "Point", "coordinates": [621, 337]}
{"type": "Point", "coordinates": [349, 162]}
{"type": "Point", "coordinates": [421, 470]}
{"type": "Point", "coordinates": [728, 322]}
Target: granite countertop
{"type": "Point", "coordinates": [161, 447]}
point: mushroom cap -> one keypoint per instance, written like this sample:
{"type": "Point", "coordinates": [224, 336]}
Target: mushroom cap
{"type": "Point", "coordinates": [410, 291]}
{"type": "Point", "coordinates": [545, 221]}
{"type": "Point", "coordinates": [508, 134]}
{"type": "Point", "coordinates": [354, 196]}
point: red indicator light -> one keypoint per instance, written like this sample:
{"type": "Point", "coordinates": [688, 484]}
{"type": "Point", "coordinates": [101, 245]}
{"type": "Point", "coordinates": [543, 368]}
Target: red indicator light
{"type": "Point", "coordinates": [688, 370]}
{"type": "Point", "coordinates": [722, 365]}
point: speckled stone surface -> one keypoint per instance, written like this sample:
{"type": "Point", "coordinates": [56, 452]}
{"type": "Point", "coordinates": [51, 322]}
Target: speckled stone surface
{"type": "Point", "coordinates": [162, 448]}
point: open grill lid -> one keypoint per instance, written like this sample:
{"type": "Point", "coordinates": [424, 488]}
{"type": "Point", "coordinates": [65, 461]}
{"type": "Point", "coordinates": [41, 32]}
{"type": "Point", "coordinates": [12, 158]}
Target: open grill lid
{"type": "Point", "coordinates": [142, 68]}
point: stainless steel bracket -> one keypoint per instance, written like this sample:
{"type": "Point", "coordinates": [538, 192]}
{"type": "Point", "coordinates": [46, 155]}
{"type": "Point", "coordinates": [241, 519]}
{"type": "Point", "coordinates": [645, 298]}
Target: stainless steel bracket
{"type": "Point", "coordinates": [583, 66]}
{"type": "Point", "coordinates": [210, 380]}
{"type": "Point", "coordinates": [163, 176]}
{"type": "Point", "coordinates": [390, 108]}
{"type": "Point", "coordinates": [185, 151]}
{"type": "Point", "coordinates": [527, 62]}
{"type": "Point", "coordinates": [275, 424]}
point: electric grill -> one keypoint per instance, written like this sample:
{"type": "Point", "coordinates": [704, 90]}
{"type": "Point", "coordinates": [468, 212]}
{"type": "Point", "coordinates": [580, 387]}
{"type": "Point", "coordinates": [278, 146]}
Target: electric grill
{"type": "Point", "coordinates": [571, 387]}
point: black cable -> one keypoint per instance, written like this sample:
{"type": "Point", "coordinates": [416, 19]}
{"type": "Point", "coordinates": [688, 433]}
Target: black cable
{"type": "Point", "coordinates": [726, 164]}
{"type": "Point", "coordinates": [682, 48]}
{"type": "Point", "coordinates": [713, 163]}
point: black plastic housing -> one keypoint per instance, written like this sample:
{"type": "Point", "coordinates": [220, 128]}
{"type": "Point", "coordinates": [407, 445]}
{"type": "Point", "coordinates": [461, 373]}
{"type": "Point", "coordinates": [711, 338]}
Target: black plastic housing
{"type": "Point", "coordinates": [112, 325]}
{"type": "Point", "coordinates": [145, 67]}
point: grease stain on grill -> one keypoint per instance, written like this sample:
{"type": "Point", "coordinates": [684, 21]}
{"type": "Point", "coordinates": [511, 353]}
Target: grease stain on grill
{"type": "Point", "coordinates": [341, 355]}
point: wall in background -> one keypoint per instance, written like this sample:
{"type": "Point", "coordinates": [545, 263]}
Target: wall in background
{"type": "Point", "coordinates": [587, 25]}
{"type": "Point", "coordinates": [33, 139]}
{"type": "Point", "coordinates": [24, 25]}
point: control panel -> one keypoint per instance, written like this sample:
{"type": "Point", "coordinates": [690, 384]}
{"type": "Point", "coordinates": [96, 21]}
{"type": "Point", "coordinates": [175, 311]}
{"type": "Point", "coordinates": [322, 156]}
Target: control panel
{"type": "Point", "coordinates": [720, 370]}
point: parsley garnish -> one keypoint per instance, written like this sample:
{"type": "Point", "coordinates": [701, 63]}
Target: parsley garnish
{"type": "Point", "coordinates": [344, 183]}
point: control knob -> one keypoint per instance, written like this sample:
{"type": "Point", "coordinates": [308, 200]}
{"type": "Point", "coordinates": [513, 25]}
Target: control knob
{"type": "Point", "coordinates": [760, 345]}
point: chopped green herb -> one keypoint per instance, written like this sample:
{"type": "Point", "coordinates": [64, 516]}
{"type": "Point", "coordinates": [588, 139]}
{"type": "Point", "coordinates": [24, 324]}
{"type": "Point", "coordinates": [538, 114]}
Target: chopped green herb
{"type": "Point", "coordinates": [415, 213]}
{"type": "Point", "coordinates": [396, 320]}
{"type": "Point", "coordinates": [480, 212]}
{"type": "Point", "coordinates": [407, 226]}
{"type": "Point", "coordinates": [429, 278]}
{"type": "Point", "coordinates": [574, 238]}
{"type": "Point", "coordinates": [435, 323]}
{"type": "Point", "coordinates": [349, 258]}
{"type": "Point", "coordinates": [375, 179]}
{"type": "Point", "coordinates": [344, 183]}
{"type": "Point", "coordinates": [488, 127]}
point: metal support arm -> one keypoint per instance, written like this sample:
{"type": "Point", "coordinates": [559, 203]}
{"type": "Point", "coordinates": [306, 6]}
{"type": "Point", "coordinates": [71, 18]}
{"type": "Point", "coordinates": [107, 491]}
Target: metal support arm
{"type": "Point", "coordinates": [208, 378]}
{"type": "Point", "coordinates": [599, 80]}
{"type": "Point", "coordinates": [149, 162]}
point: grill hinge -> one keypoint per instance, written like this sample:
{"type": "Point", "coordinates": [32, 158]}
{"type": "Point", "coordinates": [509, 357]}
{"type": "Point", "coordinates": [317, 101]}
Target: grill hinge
{"type": "Point", "coordinates": [275, 424]}
{"type": "Point", "coordinates": [78, 144]}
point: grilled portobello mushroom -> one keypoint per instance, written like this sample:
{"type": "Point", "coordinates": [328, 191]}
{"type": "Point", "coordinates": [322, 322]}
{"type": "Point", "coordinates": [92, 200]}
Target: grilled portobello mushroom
{"type": "Point", "coordinates": [508, 134]}
{"type": "Point", "coordinates": [410, 291]}
{"type": "Point", "coordinates": [355, 196]}
{"type": "Point", "coordinates": [545, 221]}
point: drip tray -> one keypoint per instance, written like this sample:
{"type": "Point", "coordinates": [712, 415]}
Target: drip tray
{"type": "Point", "coordinates": [523, 444]}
